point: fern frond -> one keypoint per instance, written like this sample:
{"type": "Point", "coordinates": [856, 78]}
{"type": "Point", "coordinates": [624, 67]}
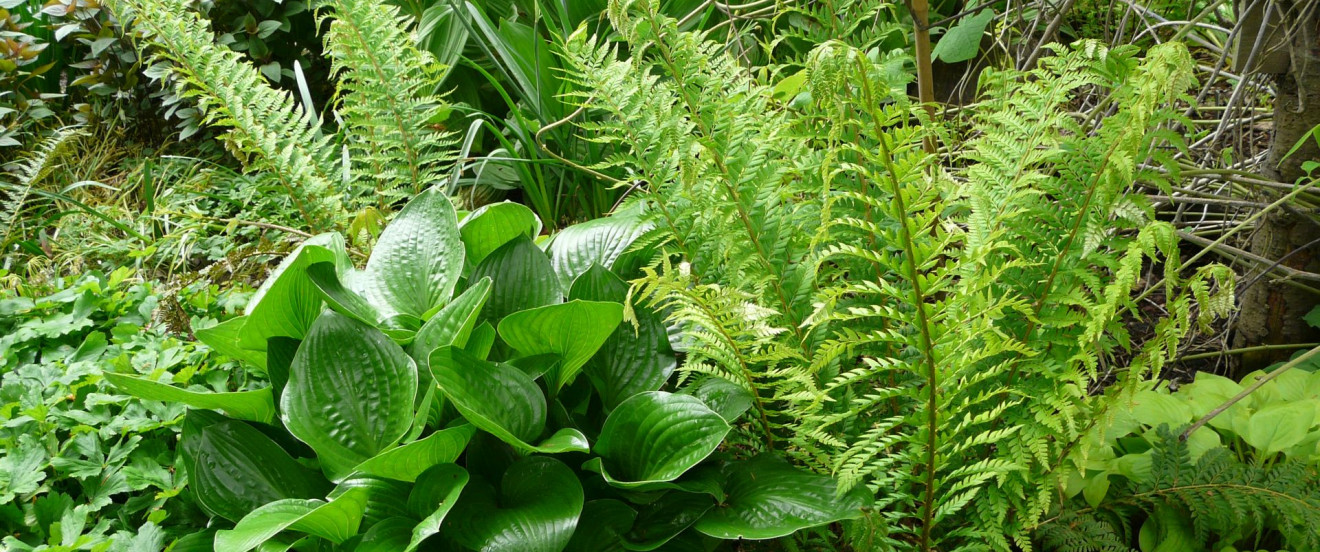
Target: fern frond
{"type": "Point", "coordinates": [29, 172]}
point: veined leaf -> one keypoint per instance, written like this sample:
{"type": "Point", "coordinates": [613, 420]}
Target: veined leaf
{"type": "Point", "coordinates": [419, 257]}
{"type": "Point", "coordinates": [634, 359]}
{"type": "Point", "coordinates": [350, 393]}
{"type": "Point", "coordinates": [768, 498]}
{"type": "Point", "coordinates": [287, 303]}
{"type": "Point", "coordinates": [656, 437]}
{"type": "Point", "coordinates": [336, 521]}
{"type": "Point", "coordinates": [452, 325]}
{"type": "Point", "coordinates": [435, 494]}
{"type": "Point", "coordinates": [535, 509]}
{"type": "Point", "coordinates": [224, 338]}
{"type": "Point", "coordinates": [521, 279]}
{"type": "Point", "coordinates": [491, 226]}
{"type": "Point", "coordinates": [234, 469]}
{"type": "Point", "coordinates": [573, 330]}
{"type": "Point", "coordinates": [602, 241]}
{"type": "Point", "coordinates": [405, 463]}
{"type": "Point", "coordinates": [256, 406]}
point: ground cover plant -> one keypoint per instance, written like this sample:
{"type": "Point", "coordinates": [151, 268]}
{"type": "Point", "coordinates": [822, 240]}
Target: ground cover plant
{"type": "Point", "coordinates": [778, 275]}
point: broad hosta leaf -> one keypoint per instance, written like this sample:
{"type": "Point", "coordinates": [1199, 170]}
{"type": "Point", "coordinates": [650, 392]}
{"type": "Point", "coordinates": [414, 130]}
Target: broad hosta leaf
{"type": "Point", "coordinates": [234, 469]}
{"type": "Point", "coordinates": [726, 398]}
{"type": "Point", "coordinates": [1279, 426]}
{"type": "Point", "coordinates": [435, 494]}
{"type": "Point", "coordinates": [452, 325]}
{"type": "Point", "coordinates": [601, 241]}
{"type": "Point", "coordinates": [657, 436]}
{"type": "Point", "coordinates": [257, 406]}
{"type": "Point", "coordinates": [287, 303]}
{"type": "Point", "coordinates": [343, 300]}
{"type": "Point", "coordinates": [601, 526]}
{"type": "Point", "coordinates": [387, 535]}
{"type": "Point", "coordinates": [386, 498]}
{"type": "Point", "coordinates": [405, 463]}
{"type": "Point", "coordinates": [535, 509]}
{"type": "Point", "coordinates": [335, 521]}
{"type": "Point", "coordinates": [419, 257]}
{"type": "Point", "coordinates": [224, 338]}
{"type": "Point", "coordinates": [350, 393]}
{"type": "Point", "coordinates": [573, 330]}
{"type": "Point", "coordinates": [768, 498]}
{"type": "Point", "coordinates": [634, 359]}
{"type": "Point", "coordinates": [521, 279]}
{"type": "Point", "coordinates": [491, 226]}
{"type": "Point", "coordinates": [660, 521]}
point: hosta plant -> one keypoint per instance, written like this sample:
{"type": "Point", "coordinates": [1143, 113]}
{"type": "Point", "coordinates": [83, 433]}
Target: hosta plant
{"type": "Point", "coordinates": [469, 390]}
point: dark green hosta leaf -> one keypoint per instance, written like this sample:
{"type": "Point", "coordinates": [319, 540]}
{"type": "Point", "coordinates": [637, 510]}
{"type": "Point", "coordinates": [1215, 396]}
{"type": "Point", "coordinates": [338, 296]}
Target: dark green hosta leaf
{"type": "Point", "coordinates": [768, 498]}
{"type": "Point", "coordinates": [535, 509]}
{"type": "Point", "coordinates": [336, 521]}
{"type": "Point", "coordinates": [655, 437]}
{"type": "Point", "coordinates": [350, 393]}
{"type": "Point", "coordinates": [257, 406]}
{"type": "Point", "coordinates": [452, 325]}
{"type": "Point", "coordinates": [343, 300]}
{"type": "Point", "coordinates": [521, 279]}
{"type": "Point", "coordinates": [602, 241]}
{"type": "Point", "coordinates": [405, 463]}
{"type": "Point", "coordinates": [386, 498]}
{"type": "Point", "coordinates": [634, 359]}
{"type": "Point", "coordinates": [491, 226]}
{"type": "Point", "coordinates": [660, 521]}
{"type": "Point", "coordinates": [287, 303]}
{"type": "Point", "coordinates": [388, 535]}
{"type": "Point", "coordinates": [573, 330]}
{"type": "Point", "coordinates": [224, 338]}
{"type": "Point", "coordinates": [726, 398]}
{"type": "Point", "coordinates": [418, 259]}
{"type": "Point", "coordinates": [499, 399]}
{"type": "Point", "coordinates": [435, 494]}
{"type": "Point", "coordinates": [601, 526]}
{"type": "Point", "coordinates": [233, 469]}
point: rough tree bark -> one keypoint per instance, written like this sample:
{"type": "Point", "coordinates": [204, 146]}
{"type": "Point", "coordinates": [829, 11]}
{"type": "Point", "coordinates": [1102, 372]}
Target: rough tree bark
{"type": "Point", "coordinates": [1271, 312]}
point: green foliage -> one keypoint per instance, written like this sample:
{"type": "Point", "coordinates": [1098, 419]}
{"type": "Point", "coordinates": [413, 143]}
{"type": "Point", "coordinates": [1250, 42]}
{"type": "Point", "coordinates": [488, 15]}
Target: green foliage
{"type": "Point", "coordinates": [81, 465]}
{"type": "Point", "coordinates": [399, 397]}
{"type": "Point", "coordinates": [929, 334]}
{"type": "Point", "coordinates": [22, 104]}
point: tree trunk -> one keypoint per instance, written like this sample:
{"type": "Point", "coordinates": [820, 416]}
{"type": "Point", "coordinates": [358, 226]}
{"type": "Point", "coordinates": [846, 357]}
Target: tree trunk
{"type": "Point", "coordinates": [1271, 312]}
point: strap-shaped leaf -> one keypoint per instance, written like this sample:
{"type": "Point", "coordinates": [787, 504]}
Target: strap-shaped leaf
{"type": "Point", "coordinates": [224, 338]}
{"type": "Point", "coordinates": [655, 437]}
{"type": "Point", "coordinates": [536, 509]}
{"type": "Point", "coordinates": [486, 229]}
{"type": "Point", "coordinates": [405, 463]}
{"type": "Point", "coordinates": [602, 241]}
{"type": "Point", "coordinates": [635, 358]}
{"type": "Point", "coordinates": [499, 399]}
{"type": "Point", "coordinates": [452, 325]}
{"type": "Point", "coordinates": [234, 469]}
{"type": "Point", "coordinates": [521, 279]}
{"type": "Point", "coordinates": [336, 521]}
{"type": "Point", "coordinates": [417, 261]}
{"type": "Point", "coordinates": [256, 406]}
{"type": "Point", "coordinates": [574, 330]}
{"type": "Point", "coordinates": [350, 393]}
{"type": "Point", "coordinates": [768, 498]}
{"type": "Point", "coordinates": [287, 303]}
{"type": "Point", "coordinates": [435, 494]}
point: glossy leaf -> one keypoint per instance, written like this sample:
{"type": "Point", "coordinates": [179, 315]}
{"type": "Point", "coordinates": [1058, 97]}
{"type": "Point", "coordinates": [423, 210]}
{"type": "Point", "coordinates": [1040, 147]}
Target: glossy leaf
{"type": "Point", "coordinates": [573, 330]}
{"type": "Point", "coordinates": [601, 526]}
{"type": "Point", "coordinates": [336, 521]}
{"type": "Point", "coordinates": [768, 498]}
{"type": "Point", "coordinates": [726, 398]}
{"type": "Point", "coordinates": [343, 300]}
{"type": "Point", "coordinates": [635, 358]}
{"type": "Point", "coordinates": [602, 241]}
{"type": "Point", "coordinates": [491, 226]}
{"type": "Point", "coordinates": [419, 257]}
{"type": "Point", "coordinates": [386, 498]}
{"type": "Point", "coordinates": [535, 509]}
{"type": "Point", "coordinates": [234, 469]}
{"type": "Point", "coordinates": [501, 400]}
{"type": "Point", "coordinates": [405, 463]}
{"type": "Point", "coordinates": [661, 520]}
{"type": "Point", "coordinates": [452, 325]}
{"type": "Point", "coordinates": [656, 437]}
{"type": "Point", "coordinates": [224, 338]}
{"type": "Point", "coordinates": [521, 279]}
{"type": "Point", "coordinates": [350, 393]}
{"type": "Point", "coordinates": [435, 494]}
{"type": "Point", "coordinates": [387, 535]}
{"type": "Point", "coordinates": [256, 406]}
{"type": "Point", "coordinates": [287, 303]}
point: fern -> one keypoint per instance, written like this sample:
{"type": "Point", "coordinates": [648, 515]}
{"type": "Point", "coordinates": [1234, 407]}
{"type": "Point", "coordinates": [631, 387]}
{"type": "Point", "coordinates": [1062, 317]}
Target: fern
{"type": "Point", "coordinates": [386, 87]}
{"type": "Point", "coordinates": [1225, 499]}
{"type": "Point", "coordinates": [29, 172]}
{"type": "Point", "coordinates": [930, 334]}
